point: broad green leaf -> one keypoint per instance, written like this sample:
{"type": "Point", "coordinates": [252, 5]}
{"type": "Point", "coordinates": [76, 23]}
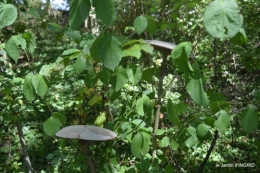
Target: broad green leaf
{"type": "Point", "coordinates": [61, 117]}
{"type": "Point", "coordinates": [194, 87]}
{"type": "Point", "coordinates": [30, 42]}
{"type": "Point", "coordinates": [100, 119]}
{"type": "Point", "coordinates": [8, 14]}
{"type": "Point", "coordinates": [90, 80]}
{"type": "Point", "coordinates": [140, 24]}
{"type": "Point", "coordinates": [144, 106]}
{"type": "Point", "coordinates": [151, 24]}
{"type": "Point", "coordinates": [104, 76]}
{"type": "Point", "coordinates": [94, 100]}
{"type": "Point", "coordinates": [134, 73]}
{"type": "Point", "coordinates": [164, 142]}
{"type": "Point", "coordinates": [70, 51]}
{"type": "Point", "coordinates": [80, 64]}
{"type": "Point", "coordinates": [133, 51]}
{"type": "Point", "coordinates": [190, 142]}
{"type": "Point", "coordinates": [223, 121]}
{"type": "Point", "coordinates": [79, 11]}
{"type": "Point", "coordinates": [222, 19]}
{"type": "Point", "coordinates": [94, 48]}
{"type": "Point", "coordinates": [74, 35]}
{"type": "Point", "coordinates": [121, 78]}
{"type": "Point", "coordinates": [172, 114]}
{"type": "Point", "coordinates": [34, 12]}
{"type": "Point", "coordinates": [140, 145]}
{"type": "Point", "coordinates": [105, 11]}
{"type": "Point", "coordinates": [110, 52]}
{"type": "Point", "coordinates": [39, 84]}
{"type": "Point", "coordinates": [138, 122]}
{"type": "Point", "coordinates": [202, 130]}
{"type": "Point", "coordinates": [192, 131]}
{"type": "Point", "coordinates": [28, 90]}
{"type": "Point", "coordinates": [160, 132]}
{"type": "Point", "coordinates": [240, 38]}
{"type": "Point", "coordinates": [210, 121]}
{"type": "Point", "coordinates": [249, 119]}
{"type": "Point", "coordinates": [180, 55]}
{"type": "Point", "coordinates": [54, 27]}
{"type": "Point", "coordinates": [51, 126]}
{"type": "Point", "coordinates": [148, 74]}
{"type": "Point", "coordinates": [174, 145]}
{"type": "Point", "coordinates": [12, 46]}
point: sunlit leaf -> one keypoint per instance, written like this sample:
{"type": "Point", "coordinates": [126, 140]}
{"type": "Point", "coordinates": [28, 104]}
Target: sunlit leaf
{"type": "Point", "coordinates": [180, 55]}
{"type": "Point", "coordinates": [140, 145]}
{"type": "Point", "coordinates": [40, 85]}
{"type": "Point", "coordinates": [28, 90]}
{"type": "Point", "coordinates": [80, 64]}
{"type": "Point", "coordinates": [222, 19]}
{"type": "Point", "coordinates": [164, 142]}
{"type": "Point", "coordinates": [8, 14]}
{"type": "Point", "coordinates": [51, 126]}
{"type": "Point", "coordinates": [140, 24]}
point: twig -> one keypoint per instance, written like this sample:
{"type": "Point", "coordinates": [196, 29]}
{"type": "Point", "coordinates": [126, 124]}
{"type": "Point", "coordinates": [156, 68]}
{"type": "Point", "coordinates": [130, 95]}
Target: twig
{"type": "Point", "coordinates": [23, 144]}
{"type": "Point", "coordinates": [213, 143]}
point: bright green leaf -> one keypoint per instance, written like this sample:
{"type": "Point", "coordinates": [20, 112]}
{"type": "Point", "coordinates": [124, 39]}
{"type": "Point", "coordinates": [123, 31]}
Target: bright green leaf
{"type": "Point", "coordinates": [12, 46]}
{"type": "Point", "coordinates": [194, 87]}
{"type": "Point", "coordinates": [249, 119]}
{"type": "Point", "coordinates": [100, 119]}
{"type": "Point", "coordinates": [79, 11]}
{"type": "Point", "coordinates": [160, 132]}
{"type": "Point", "coordinates": [121, 78]}
{"type": "Point", "coordinates": [28, 90]}
{"type": "Point", "coordinates": [134, 73]}
{"type": "Point", "coordinates": [110, 52]}
{"type": "Point", "coordinates": [223, 121]}
{"type": "Point", "coordinates": [222, 19]}
{"type": "Point", "coordinates": [51, 126]}
{"type": "Point", "coordinates": [8, 14]}
{"type": "Point", "coordinates": [140, 145]}
{"type": "Point", "coordinates": [174, 145]}
{"type": "Point", "coordinates": [202, 130]}
{"type": "Point", "coordinates": [39, 84]}
{"type": "Point", "coordinates": [144, 106]}
{"type": "Point", "coordinates": [133, 51]}
{"type": "Point", "coordinates": [192, 131]}
{"type": "Point", "coordinates": [164, 142]}
{"type": "Point", "coordinates": [80, 64]}
{"type": "Point", "coordinates": [140, 24]}
{"type": "Point", "coordinates": [180, 55]}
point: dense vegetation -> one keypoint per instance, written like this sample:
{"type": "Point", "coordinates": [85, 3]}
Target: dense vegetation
{"type": "Point", "coordinates": [191, 109]}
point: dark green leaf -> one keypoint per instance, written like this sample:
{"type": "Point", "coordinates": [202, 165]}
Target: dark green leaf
{"type": "Point", "coordinates": [105, 11]}
{"type": "Point", "coordinates": [172, 114]}
{"type": "Point", "coordinates": [79, 11]}
{"type": "Point", "coordinates": [110, 52]}
{"type": "Point", "coordinates": [180, 55]}
{"type": "Point", "coordinates": [202, 130]}
{"type": "Point", "coordinates": [223, 121]}
{"type": "Point", "coordinates": [12, 46]}
{"type": "Point", "coordinates": [249, 119]}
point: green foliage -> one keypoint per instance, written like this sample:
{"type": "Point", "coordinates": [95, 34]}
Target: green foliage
{"type": "Point", "coordinates": [8, 14]}
{"type": "Point", "coordinates": [79, 11]}
{"type": "Point", "coordinates": [116, 80]}
{"type": "Point", "coordinates": [140, 24]}
{"type": "Point", "coordinates": [222, 19]}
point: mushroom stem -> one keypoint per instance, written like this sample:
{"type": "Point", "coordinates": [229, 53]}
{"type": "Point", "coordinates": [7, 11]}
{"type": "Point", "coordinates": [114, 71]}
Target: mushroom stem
{"type": "Point", "coordinates": [88, 154]}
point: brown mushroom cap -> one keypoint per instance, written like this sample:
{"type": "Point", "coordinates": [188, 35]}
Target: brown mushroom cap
{"type": "Point", "coordinates": [161, 44]}
{"type": "Point", "coordinates": [85, 132]}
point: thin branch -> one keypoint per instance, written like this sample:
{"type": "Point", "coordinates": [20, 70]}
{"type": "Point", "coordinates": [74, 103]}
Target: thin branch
{"type": "Point", "coordinates": [23, 144]}
{"type": "Point", "coordinates": [213, 143]}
